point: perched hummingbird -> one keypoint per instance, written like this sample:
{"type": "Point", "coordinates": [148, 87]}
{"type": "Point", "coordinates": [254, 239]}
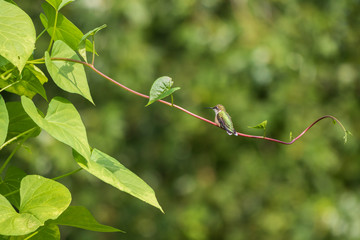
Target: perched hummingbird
{"type": "Point", "coordinates": [223, 119]}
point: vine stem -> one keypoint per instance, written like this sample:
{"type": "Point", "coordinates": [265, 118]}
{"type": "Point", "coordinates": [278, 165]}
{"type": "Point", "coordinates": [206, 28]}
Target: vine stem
{"type": "Point", "coordinates": [92, 67]}
{"type": "Point", "coordinates": [16, 137]}
{"type": "Point", "coordinates": [53, 33]}
{"type": "Point", "coordinates": [11, 84]}
{"type": "Point", "coordinates": [67, 174]}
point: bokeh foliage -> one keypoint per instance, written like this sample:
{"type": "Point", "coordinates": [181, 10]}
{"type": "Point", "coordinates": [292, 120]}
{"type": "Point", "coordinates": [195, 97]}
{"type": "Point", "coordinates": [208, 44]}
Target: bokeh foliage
{"type": "Point", "coordinates": [289, 62]}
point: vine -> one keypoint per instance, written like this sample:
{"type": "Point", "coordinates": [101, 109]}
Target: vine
{"type": "Point", "coordinates": [92, 67]}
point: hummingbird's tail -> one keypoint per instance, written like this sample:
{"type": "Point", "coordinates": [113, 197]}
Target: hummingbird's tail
{"type": "Point", "coordinates": [231, 133]}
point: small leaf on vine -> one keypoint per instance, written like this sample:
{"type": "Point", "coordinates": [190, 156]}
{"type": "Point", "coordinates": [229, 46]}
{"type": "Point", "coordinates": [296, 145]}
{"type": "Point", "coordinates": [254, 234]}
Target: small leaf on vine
{"type": "Point", "coordinates": [160, 89]}
{"type": "Point", "coordinates": [260, 125]}
{"type": "Point", "coordinates": [82, 44]}
{"type": "Point", "coordinates": [347, 133]}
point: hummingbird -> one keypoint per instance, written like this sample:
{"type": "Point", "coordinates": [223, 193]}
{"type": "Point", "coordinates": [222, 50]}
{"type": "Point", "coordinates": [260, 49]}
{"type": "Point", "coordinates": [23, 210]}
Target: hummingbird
{"type": "Point", "coordinates": [223, 119]}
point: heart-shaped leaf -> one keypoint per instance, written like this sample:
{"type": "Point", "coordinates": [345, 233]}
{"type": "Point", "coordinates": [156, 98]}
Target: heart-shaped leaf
{"type": "Point", "coordinates": [62, 121]}
{"type": "Point", "coordinates": [114, 173]}
{"type": "Point", "coordinates": [17, 34]}
{"type": "Point", "coordinates": [41, 199]}
{"type": "Point", "coordinates": [160, 89]}
{"type": "Point", "coordinates": [13, 223]}
{"type": "Point", "coordinates": [69, 76]}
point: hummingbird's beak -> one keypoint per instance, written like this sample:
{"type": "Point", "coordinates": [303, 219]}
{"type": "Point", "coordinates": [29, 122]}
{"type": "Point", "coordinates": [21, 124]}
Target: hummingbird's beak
{"type": "Point", "coordinates": [209, 107]}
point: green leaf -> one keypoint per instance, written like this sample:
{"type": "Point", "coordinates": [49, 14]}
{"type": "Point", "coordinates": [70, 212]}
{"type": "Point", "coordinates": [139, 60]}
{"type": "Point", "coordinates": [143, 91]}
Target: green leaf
{"type": "Point", "coordinates": [4, 121]}
{"type": "Point", "coordinates": [347, 133]}
{"type": "Point", "coordinates": [161, 88]}
{"type": "Point", "coordinates": [114, 173]}
{"type": "Point", "coordinates": [13, 223]}
{"type": "Point", "coordinates": [65, 30]}
{"type": "Point", "coordinates": [11, 183]}
{"type": "Point", "coordinates": [62, 121]}
{"type": "Point", "coordinates": [80, 217]}
{"type": "Point", "coordinates": [19, 121]}
{"type": "Point", "coordinates": [29, 82]}
{"type": "Point", "coordinates": [17, 34]}
{"type": "Point", "coordinates": [69, 76]}
{"type": "Point", "coordinates": [260, 125]}
{"type": "Point", "coordinates": [58, 4]}
{"type": "Point", "coordinates": [82, 44]}
{"type": "Point", "coordinates": [91, 33]}
{"type": "Point", "coordinates": [41, 199]}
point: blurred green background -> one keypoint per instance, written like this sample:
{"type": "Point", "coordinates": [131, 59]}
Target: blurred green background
{"type": "Point", "coordinates": [288, 62]}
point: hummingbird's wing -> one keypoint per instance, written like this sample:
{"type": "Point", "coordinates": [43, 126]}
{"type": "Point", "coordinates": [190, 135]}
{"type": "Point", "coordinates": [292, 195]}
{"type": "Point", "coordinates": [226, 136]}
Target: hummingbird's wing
{"type": "Point", "coordinates": [226, 125]}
